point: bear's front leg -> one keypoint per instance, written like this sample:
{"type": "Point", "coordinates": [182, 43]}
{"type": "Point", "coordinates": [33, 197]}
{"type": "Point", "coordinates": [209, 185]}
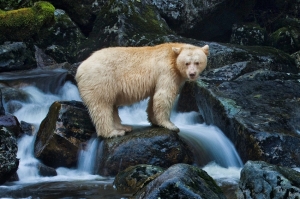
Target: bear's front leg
{"type": "Point", "coordinates": [163, 101]}
{"type": "Point", "coordinates": [102, 114]}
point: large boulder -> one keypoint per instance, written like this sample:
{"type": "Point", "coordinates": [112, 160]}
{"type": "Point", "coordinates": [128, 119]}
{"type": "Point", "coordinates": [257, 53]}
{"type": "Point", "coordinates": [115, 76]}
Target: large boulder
{"type": "Point", "coordinates": [204, 20]}
{"type": "Point", "coordinates": [145, 145]}
{"type": "Point", "coordinates": [63, 39]}
{"type": "Point", "coordinates": [61, 134]}
{"type": "Point", "coordinates": [262, 180]}
{"type": "Point", "coordinates": [125, 23]}
{"type": "Point", "coordinates": [251, 94]}
{"type": "Point", "coordinates": [22, 24]}
{"type": "Point", "coordinates": [181, 181]}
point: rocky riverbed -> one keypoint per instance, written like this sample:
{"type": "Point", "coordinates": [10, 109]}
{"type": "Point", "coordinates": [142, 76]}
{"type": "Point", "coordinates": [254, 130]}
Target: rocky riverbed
{"type": "Point", "coordinates": [250, 89]}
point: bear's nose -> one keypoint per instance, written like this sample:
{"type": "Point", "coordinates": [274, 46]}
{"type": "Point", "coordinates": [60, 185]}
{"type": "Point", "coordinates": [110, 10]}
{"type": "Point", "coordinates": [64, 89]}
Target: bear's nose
{"type": "Point", "coordinates": [192, 75]}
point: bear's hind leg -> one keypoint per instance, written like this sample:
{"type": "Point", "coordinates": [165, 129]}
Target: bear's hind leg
{"type": "Point", "coordinates": [150, 113]}
{"type": "Point", "coordinates": [117, 121]}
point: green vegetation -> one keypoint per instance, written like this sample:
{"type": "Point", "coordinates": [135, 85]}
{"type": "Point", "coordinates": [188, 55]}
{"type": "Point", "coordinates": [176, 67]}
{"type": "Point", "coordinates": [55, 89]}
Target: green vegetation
{"type": "Point", "coordinates": [21, 24]}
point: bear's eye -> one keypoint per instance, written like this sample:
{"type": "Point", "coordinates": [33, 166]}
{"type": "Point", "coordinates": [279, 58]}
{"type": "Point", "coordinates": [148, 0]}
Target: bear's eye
{"type": "Point", "coordinates": [187, 63]}
{"type": "Point", "coordinates": [197, 63]}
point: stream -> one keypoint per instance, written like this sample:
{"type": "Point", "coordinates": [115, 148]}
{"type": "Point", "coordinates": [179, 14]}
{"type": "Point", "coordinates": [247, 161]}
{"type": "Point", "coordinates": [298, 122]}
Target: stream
{"type": "Point", "coordinates": [208, 142]}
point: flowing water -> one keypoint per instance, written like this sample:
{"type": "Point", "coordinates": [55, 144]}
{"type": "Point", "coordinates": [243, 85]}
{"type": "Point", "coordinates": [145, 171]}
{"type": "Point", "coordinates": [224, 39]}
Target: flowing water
{"type": "Point", "coordinates": [212, 151]}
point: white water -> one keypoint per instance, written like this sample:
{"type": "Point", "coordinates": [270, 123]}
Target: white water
{"type": "Point", "coordinates": [224, 163]}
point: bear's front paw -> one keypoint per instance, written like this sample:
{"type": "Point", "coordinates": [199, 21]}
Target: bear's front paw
{"type": "Point", "coordinates": [171, 127]}
{"type": "Point", "coordinates": [116, 133]}
{"type": "Point", "coordinates": [175, 129]}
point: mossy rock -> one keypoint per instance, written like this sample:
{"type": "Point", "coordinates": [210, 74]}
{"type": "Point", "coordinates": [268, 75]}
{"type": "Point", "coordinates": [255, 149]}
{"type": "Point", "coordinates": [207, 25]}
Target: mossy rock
{"type": "Point", "coordinates": [22, 24]}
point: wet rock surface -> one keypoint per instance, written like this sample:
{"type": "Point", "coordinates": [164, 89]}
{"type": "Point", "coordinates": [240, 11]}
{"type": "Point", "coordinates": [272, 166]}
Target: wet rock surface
{"type": "Point", "coordinates": [262, 180]}
{"type": "Point", "coordinates": [260, 117]}
{"type": "Point", "coordinates": [16, 56]}
{"type": "Point", "coordinates": [160, 147]}
{"type": "Point", "coordinates": [61, 133]}
{"type": "Point", "coordinates": [136, 177]}
{"type": "Point", "coordinates": [181, 181]}
{"type": "Point", "coordinates": [8, 154]}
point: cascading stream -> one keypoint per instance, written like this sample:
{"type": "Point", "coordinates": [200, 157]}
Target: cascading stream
{"type": "Point", "coordinates": [212, 149]}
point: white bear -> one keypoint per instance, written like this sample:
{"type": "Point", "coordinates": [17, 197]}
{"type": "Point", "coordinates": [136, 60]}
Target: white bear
{"type": "Point", "coordinates": [117, 76]}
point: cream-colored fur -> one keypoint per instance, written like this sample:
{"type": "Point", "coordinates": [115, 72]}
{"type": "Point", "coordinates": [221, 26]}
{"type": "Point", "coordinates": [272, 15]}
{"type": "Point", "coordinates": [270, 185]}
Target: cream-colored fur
{"type": "Point", "coordinates": [118, 76]}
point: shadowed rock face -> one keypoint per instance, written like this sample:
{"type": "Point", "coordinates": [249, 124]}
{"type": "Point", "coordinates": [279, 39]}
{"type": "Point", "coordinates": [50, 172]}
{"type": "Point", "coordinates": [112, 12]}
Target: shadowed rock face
{"type": "Point", "coordinates": [146, 145]}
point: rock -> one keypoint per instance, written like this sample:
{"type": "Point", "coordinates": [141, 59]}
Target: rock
{"type": "Point", "coordinates": [181, 181]}
{"type": "Point", "coordinates": [83, 13]}
{"type": "Point", "coordinates": [145, 145]}
{"type": "Point", "coordinates": [262, 180]}
{"type": "Point", "coordinates": [62, 41]}
{"type": "Point", "coordinates": [45, 171]}
{"type": "Point", "coordinates": [248, 35]}
{"type": "Point", "coordinates": [66, 127]}
{"type": "Point", "coordinates": [8, 154]}
{"type": "Point", "coordinates": [16, 56]}
{"type": "Point", "coordinates": [190, 18]}
{"type": "Point", "coordinates": [125, 23]}
{"type": "Point", "coordinates": [27, 128]}
{"type": "Point", "coordinates": [286, 39]}
{"type": "Point", "coordinates": [11, 123]}
{"type": "Point", "coordinates": [22, 24]}
{"type": "Point", "coordinates": [259, 117]}
{"type": "Point", "coordinates": [136, 177]}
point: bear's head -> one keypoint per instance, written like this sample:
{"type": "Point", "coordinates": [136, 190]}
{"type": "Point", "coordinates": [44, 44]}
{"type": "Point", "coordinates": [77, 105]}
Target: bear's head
{"type": "Point", "coordinates": [191, 60]}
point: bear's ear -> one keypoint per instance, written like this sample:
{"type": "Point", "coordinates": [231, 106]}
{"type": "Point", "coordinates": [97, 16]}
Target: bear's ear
{"type": "Point", "coordinates": [206, 49]}
{"type": "Point", "coordinates": [176, 50]}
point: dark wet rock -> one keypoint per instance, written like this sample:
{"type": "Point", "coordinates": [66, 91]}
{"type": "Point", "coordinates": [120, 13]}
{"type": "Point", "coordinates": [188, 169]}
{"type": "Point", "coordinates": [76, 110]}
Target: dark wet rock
{"type": "Point", "coordinates": [205, 20]}
{"type": "Point", "coordinates": [45, 171]}
{"type": "Point", "coordinates": [8, 154]}
{"type": "Point", "coordinates": [66, 126]}
{"type": "Point", "coordinates": [145, 145]}
{"type": "Point", "coordinates": [248, 35]}
{"type": "Point", "coordinates": [187, 101]}
{"type": "Point", "coordinates": [296, 56]}
{"type": "Point", "coordinates": [2, 110]}
{"type": "Point", "coordinates": [27, 128]}
{"type": "Point", "coordinates": [254, 57]}
{"type": "Point", "coordinates": [62, 41]}
{"type": "Point", "coordinates": [259, 117]}
{"type": "Point", "coordinates": [136, 177]}
{"type": "Point", "coordinates": [11, 123]}
{"type": "Point", "coordinates": [83, 13]}
{"type": "Point", "coordinates": [286, 39]}
{"type": "Point", "coordinates": [262, 180]}
{"type": "Point", "coordinates": [125, 23]}
{"type": "Point", "coordinates": [43, 60]}
{"type": "Point", "coordinates": [181, 181]}
{"type": "Point", "coordinates": [16, 56]}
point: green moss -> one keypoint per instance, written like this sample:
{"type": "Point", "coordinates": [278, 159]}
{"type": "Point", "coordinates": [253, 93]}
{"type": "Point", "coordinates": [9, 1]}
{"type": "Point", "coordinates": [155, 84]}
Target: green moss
{"type": "Point", "coordinates": [21, 24]}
